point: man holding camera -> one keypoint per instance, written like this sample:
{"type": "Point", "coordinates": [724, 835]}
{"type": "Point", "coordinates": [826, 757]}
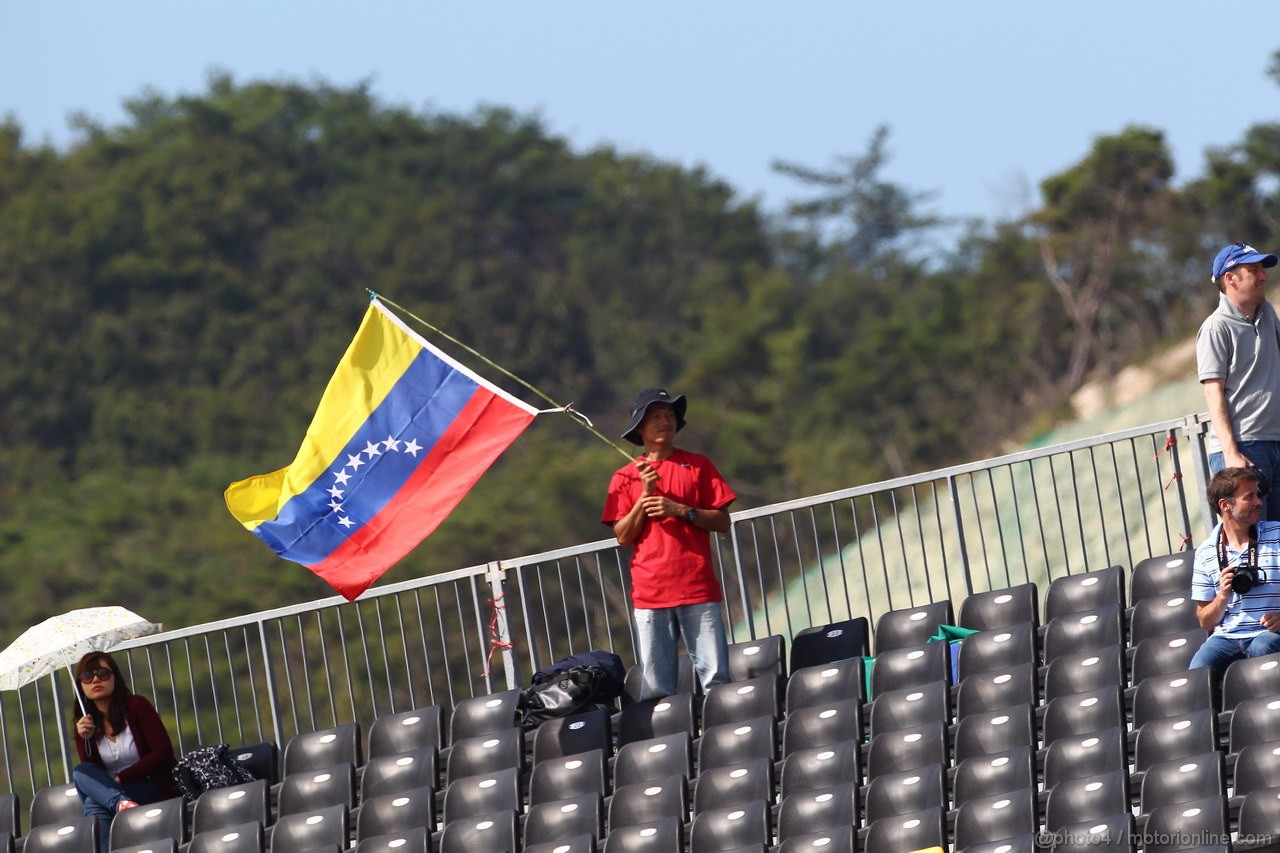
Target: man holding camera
{"type": "Point", "coordinates": [1238, 363]}
{"type": "Point", "coordinates": [1236, 580]}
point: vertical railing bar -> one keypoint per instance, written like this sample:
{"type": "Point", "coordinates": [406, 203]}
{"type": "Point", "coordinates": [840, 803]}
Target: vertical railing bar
{"type": "Point", "coordinates": [884, 556]}
{"type": "Point", "coordinates": [426, 654]}
{"type": "Point", "coordinates": [1075, 496]}
{"type": "Point", "coordinates": [1035, 497]}
{"type": "Point", "coordinates": [1017, 518]}
{"type": "Point", "coordinates": [534, 657]}
{"type": "Point", "coordinates": [305, 661]}
{"type": "Point", "coordinates": [999, 518]}
{"type": "Point", "coordinates": [605, 609]}
{"type": "Point", "coordinates": [822, 566]}
{"type": "Point", "coordinates": [269, 677]}
{"type": "Point", "coordinates": [546, 617]}
{"type": "Point", "coordinates": [1182, 493]}
{"type": "Point", "coordinates": [1097, 493]}
{"type": "Point", "coordinates": [480, 632]}
{"type": "Point", "coordinates": [235, 690]}
{"type": "Point", "coordinates": [357, 608]}
{"type": "Point", "coordinates": [979, 518]}
{"type": "Point", "coordinates": [782, 581]}
{"type": "Point", "coordinates": [862, 557]}
{"type": "Point", "coordinates": [902, 549]}
{"type": "Point", "coordinates": [501, 626]}
{"type": "Point", "coordinates": [288, 676]}
{"type": "Point", "coordinates": [444, 645]}
{"type": "Point", "coordinates": [213, 690]}
{"type": "Point", "coordinates": [837, 541]}
{"type": "Point", "coordinates": [404, 650]}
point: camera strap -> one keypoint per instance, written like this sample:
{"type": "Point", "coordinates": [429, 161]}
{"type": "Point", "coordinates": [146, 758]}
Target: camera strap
{"type": "Point", "coordinates": [1250, 554]}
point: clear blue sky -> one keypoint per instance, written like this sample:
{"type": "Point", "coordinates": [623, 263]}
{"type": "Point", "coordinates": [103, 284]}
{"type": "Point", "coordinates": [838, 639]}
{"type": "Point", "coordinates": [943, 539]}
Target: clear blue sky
{"type": "Point", "coordinates": [983, 99]}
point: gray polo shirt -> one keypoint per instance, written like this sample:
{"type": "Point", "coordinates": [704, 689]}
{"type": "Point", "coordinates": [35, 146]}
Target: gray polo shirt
{"type": "Point", "coordinates": [1246, 353]}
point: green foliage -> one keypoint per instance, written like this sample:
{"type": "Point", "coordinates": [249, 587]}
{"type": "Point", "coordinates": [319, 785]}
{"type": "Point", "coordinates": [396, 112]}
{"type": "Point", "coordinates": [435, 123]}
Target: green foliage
{"type": "Point", "coordinates": [178, 289]}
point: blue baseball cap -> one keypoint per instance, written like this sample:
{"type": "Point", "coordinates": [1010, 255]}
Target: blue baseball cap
{"type": "Point", "coordinates": [1239, 253]}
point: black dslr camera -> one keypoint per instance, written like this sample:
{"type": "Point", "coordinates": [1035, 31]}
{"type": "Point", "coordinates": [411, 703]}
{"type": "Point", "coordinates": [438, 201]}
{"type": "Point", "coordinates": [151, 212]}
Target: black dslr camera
{"type": "Point", "coordinates": [1246, 577]}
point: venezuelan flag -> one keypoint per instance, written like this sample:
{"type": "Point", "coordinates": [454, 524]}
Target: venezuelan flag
{"type": "Point", "coordinates": [401, 435]}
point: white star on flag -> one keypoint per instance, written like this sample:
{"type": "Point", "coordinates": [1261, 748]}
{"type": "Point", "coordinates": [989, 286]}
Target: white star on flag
{"type": "Point", "coordinates": [335, 506]}
{"type": "Point", "coordinates": [413, 448]}
{"type": "Point", "coordinates": [372, 449]}
{"type": "Point", "coordinates": [345, 522]}
{"type": "Point", "coordinates": [354, 462]}
{"type": "Point", "coordinates": [392, 443]}
{"type": "Point", "coordinates": [342, 477]}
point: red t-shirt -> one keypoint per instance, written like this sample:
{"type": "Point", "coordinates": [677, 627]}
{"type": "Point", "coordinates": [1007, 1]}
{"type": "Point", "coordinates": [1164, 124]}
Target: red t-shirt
{"type": "Point", "coordinates": [671, 564]}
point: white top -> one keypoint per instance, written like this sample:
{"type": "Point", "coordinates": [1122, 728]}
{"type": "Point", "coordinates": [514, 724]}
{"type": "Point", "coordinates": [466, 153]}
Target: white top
{"type": "Point", "coordinates": [120, 753]}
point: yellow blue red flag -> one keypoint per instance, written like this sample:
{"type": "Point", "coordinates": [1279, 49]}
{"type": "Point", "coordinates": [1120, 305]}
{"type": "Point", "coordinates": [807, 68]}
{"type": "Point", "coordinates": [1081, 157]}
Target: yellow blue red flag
{"type": "Point", "coordinates": [401, 435]}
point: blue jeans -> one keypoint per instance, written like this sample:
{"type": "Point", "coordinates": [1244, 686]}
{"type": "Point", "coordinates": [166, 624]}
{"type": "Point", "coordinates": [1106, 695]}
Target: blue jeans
{"type": "Point", "coordinates": [1219, 652]}
{"type": "Point", "coordinates": [1265, 455]}
{"type": "Point", "coordinates": [701, 626]}
{"type": "Point", "coordinates": [101, 794]}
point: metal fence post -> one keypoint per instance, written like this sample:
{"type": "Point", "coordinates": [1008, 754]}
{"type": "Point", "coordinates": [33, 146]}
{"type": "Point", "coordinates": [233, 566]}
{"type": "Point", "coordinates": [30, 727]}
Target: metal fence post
{"type": "Point", "coordinates": [954, 490]}
{"type": "Point", "coordinates": [269, 673]}
{"type": "Point", "coordinates": [747, 611]}
{"type": "Point", "coordinates": [501, 634]}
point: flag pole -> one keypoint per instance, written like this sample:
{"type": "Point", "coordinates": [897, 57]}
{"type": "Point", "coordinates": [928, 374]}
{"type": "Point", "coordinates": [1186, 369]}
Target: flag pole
{"type": "Point", "coordinates": [568, 409]}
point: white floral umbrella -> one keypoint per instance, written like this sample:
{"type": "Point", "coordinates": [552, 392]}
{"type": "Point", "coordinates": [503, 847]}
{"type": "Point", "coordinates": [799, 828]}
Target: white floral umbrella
{"type": "Point", "coordinates": [61, 641]}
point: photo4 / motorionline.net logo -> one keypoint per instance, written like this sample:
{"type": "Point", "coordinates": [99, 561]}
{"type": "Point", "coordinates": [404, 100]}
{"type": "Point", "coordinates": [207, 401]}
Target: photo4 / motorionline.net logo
{"type": "Point", "coordinates": [1101, 835]}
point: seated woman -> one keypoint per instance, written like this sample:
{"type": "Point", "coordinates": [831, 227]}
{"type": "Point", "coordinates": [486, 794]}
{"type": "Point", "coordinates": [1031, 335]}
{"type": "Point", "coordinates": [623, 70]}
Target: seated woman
{"type": "Point", "coordinates": [125, 752]}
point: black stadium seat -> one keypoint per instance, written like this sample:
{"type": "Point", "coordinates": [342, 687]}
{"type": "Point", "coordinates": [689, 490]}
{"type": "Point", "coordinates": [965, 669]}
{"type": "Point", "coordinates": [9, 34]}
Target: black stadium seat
{"type": "Point", "coordinates": [830, 643]}
{"type": "Point", "coordinates": [1000, 608]}
{"type": "Point", "coordinates": [911, 626]}
{"type": "Point", "coordinates": [324, 748]}
{"type": "Point", "coordinates": [407, 730]}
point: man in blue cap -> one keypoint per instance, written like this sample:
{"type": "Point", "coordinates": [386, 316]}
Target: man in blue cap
{"type": "Point", "coordinates": [1238, 362]}
{"type": "Point", "coordinates": [666, 505]}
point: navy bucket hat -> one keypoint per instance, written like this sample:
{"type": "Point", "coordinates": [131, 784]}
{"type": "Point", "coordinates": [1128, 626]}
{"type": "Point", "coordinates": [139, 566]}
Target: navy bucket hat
{"type": "Point", "coordinates": [647, 398]}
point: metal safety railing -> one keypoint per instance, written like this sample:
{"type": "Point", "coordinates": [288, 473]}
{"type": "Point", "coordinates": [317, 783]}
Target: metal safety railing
{"type": "Point", "coordinates": [1031, 516]}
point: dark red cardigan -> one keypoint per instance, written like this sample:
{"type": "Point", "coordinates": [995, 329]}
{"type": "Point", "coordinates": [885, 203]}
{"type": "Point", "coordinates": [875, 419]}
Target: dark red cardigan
{"type": "Point", "coordinates": [155, 751]}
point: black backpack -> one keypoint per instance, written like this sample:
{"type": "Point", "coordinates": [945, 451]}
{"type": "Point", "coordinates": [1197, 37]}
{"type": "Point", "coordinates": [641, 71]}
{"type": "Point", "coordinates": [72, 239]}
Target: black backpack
{"type": "Point", "coordinates": [207, 768]}
{"type": "Point", "coordinates": [572, 685]}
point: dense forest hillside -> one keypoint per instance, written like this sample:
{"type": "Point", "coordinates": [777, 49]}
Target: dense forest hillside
{"type": "Point", "coordinates": [177, 290]}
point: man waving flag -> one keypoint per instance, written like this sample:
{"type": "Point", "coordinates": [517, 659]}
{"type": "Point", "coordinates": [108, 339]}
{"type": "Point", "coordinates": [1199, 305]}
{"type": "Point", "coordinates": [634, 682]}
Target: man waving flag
{"type": "Point", "coordinates": [401, 435]}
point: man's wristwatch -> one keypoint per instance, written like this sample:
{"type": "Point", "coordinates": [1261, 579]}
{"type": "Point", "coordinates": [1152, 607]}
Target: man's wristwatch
{"type": "Point", "coordinates": [691, 516]}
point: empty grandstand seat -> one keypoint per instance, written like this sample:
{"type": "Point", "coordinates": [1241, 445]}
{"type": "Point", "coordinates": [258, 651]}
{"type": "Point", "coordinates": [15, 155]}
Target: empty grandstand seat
{"type": "Point", "coordinates": [912, 706]}
{"type": "Point", "coordinates": [1086, 799]}
{"type": "Point", "coordinates": [323, 829]}
{"type": "Point", "coordinates": [1165, 655]}
{"type": "Point", "coordinates": [398, 812]}
{"type": "Point", "coordinates": [640, 761]}
{"type": "Point", "coordinates": [238, 838]}
{"type": "Point", "coordinates": [909, 666]}
{"type": "Point", "coordinates": [990, 732]}
{"type": "Point", "coordinates": [986, 775]}
{"type": "Point", "coordinates": [650, 718]}
{"type": "Point", "coordinates": [1083, 630]}
{"type": "Point", "coordinates": [1170, 613]}
{"type": "Point", "coordinates": [841, 839]}
{"type": "Point", "coordinates": [1011, 814]}
{"type": "Point", "coordinates": [661, 836]}
{"type": "Point", "coordinates": [572, 734]}
{"type": "Point", "coordinates": [820, 725]}
{"type": "Point", "coordinates": [568, 776]}
{"type": "Point", "coordinates": [1160, 575]}
{"type": "Point", "coordinates": [753, 658]}
{"type": "Point", "coordinates": [261, 759]}
{"type": "Point", "coordinates": [1259, 819]}
{"type": "Point", "coordinates": [159, 845]}
{"type": "Point", "coordinates": [486, 753]}
{"type": "Point", "coordinates": [482, 715]}
{"type": "Point", "coordinates": [733, 784]}
{"type": "Point", "coordinates": [1249, 678]}
{"type": "Point", "coordinates": [997, 648]}
{"type": "Point", "coordinates": [916, 831]}
{"type": "Point", "coordinates": [816, 811]}
{"type": "Point", "coordinates": [735, 743]}
{"type": "Point", "coordinates": [1112, 832]}
{"type": "Point", "coordinates": [78, 834]}
{"type": "Point", "coordinates": [1182, 736]}
{"type": "Point", "coordinates": [742, 700]}
{"type": "Point", "coordinates": [903, 792]}
{"type": "Point", "coordinates": [1257, 766]}
{"type": "Point", "coordinates": [9, 814]}
{"type": "Point", "coordinates": [1078, 714]}
{"type": "Point", "coordinates": [166, 819]}
{"type": "Point", "coordinates": [911, 626]}
{"type": "Point", "coordinates": [907, 749]}
{"type": "Point", "coordinates": [233, 806]}
{"type": "Point", "coordinates": [1255, 721]}
{"type": "Point", "coordinates": [1087, 755]}
{"type": "Point", "coordinates": [400, 771]}
{"type": "Point", "coordinates": [1169, 827]}
{"type": "Point", "coordinates": [414, 840]}
{"type": "Point", "coordinates": [575, 844]}
{"type": "Point", "coordinates": [996, 690]}
{"type": "Point", "coordinates": [560, 819]}
{"type": "Point", "coordinates": [821, 767]}
{"type": "Point", "coordinates": [311, 790]}
{"type": "Point", "coordinates": [823, 644]}
{"type": "Point", "coordinates": [686, 680]}
{"type": "Point", "coordinates": [56, 804]}
{"type": "Point", "coordinates": [1084, 671]}
{"type": "Point", "coordinates": [831, 682]}
{"type": "Point", "coordinates": [488, 793]}
{"type": "Point", "coordinates": [647, 802]}
{"type": "Point", "coordinates": [1176, 693]}
{"type": "Point", "coordinates": [323, 748]}
{"type": "Point", "coordinates": [1183, 780]}
{"type": "Point", "coordinates": [1086, 591]}
{"type": "Point", "coordinates": [407, 731]}
{"type": "Point", "coordinates": [730, 828]}
{"type": "Point", "coordinates": [999, 608]}
{"type": "Point", "coordinates": [490, 833]}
